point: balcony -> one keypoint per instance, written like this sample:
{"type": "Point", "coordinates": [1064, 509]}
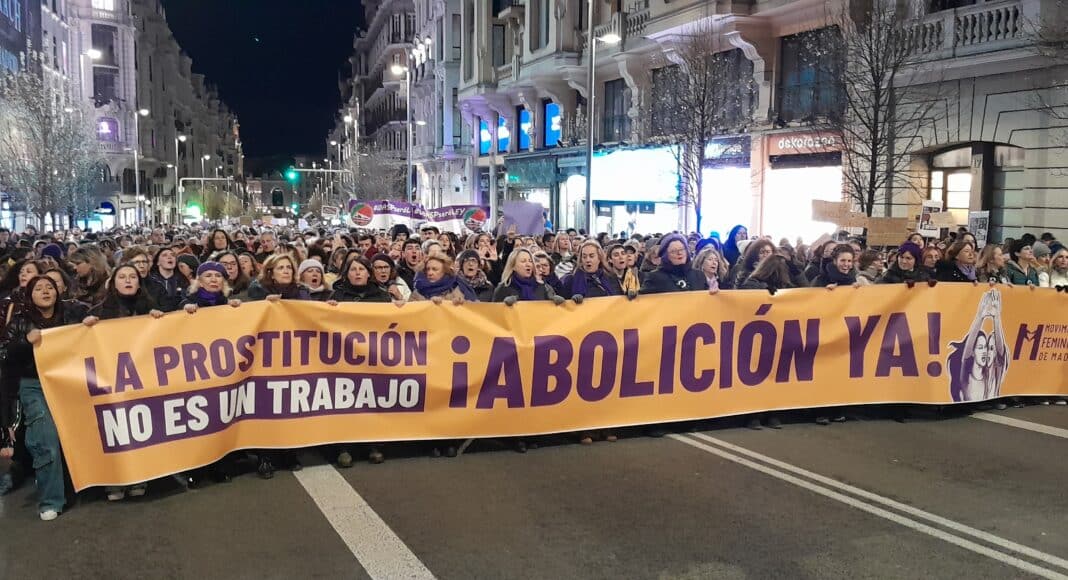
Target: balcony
{"type": "Point", "coordinates": [613, 27]}
{"type": "Point", "coordinates": [974, 29]}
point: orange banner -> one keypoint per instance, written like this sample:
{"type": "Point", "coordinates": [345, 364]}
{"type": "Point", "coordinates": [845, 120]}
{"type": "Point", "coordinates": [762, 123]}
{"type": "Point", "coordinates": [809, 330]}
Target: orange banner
{"type": "Point", "coordinates": [139, 398]}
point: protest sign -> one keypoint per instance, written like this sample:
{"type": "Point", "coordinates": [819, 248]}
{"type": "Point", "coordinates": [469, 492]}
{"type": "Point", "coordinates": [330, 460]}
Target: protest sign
{"type": "Point", "coordinates": [139, 398]}
{"type": "Point", "coordinates": [527, 217]}
{"type": "Point", "coordinates": [979, 226]}
{"type": "Point", "coordinates": [887, 231]}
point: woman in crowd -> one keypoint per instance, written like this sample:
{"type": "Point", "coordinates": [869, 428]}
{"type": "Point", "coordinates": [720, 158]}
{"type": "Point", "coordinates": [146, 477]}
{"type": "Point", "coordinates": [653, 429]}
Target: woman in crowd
{"type": "Point", "coordinates": [164, 283]}
{"type": "Point", "coordinates": [674, 273]}
{"type": "Point", "coordinates": [310, 276]}
{"type": "Point", "coordinates": [277, 281]}
{"type": "Point", "coordinates": [620, 266]}
{"type": "Point", "coordinates": [562, 256]}
{"type": "Point", "coordinates": [929, 261]}
{"type": "Point", "coordinates": [821, 256]}
{"type": "Point", "coordinates": [520, 282]}
{"type": "Point", "coordinates": [906, 266]}
{"type": "Point", "coordinates": [235, 276]}
{"type": "Point", "coordinates": [589, 280]}
{"type": "Point", "coordinates": [752, 254]}
{"type": "Point", "coordinates": [91, 273]}
{"type": "Point", "coordinates": [210, 288]}
{"type": "Point", "coordinates": [545, 270]}
{"type": "Point", "coordinates": [217, 241]}
{"type": "Point", "coordinates": [436, 282]}
{"type": "Point", "coordinates": [13, 286]}
{"type": "Point", "coordinates": [450, 243]}
{"type": "Point", "coordinates": [990, 266]}
{"type": "Point", "coordinates": [871, 266]}
{"type": "Point", "coordinates": [771, 274]}
{"type": "Point", "coordinates": [62, 280]}
{"type": "Point", "coordinates": [1056, 275]}
{"type": "Point", "coordinates": [335, 269]}
{"type": "Point", "coordinates": [839, 271]}
{"type": "Point", "coordinates": [1022, 266]}
{"type": "Point", "coordinates": [713, 266]}
{"type": "Point", "coordinates": [125, 297]}
{"type": "Point", "coordinates": [187, 265]}
{"type": "Point", "coordinates": [730, 248]}
{"type": "Point", "coordinates": [139, 258]}
{"type": "Point", "coordinates": [959, 265]}
{"type": "Point", "coordinates": [249, 266]}
{"type": "Point", "coordinates": [40, 309]}
{"type": "Point", "coordinates": [471, 272]}
{"type": "Point", "coordinates": [918, 240]}
{"type": "Point", "coordinates": [385, 276]}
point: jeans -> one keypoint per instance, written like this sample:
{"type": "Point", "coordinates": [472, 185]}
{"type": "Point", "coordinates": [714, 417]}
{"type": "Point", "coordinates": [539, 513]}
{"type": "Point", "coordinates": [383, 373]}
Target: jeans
{"type": "Point", "coordinates": [42, 441]}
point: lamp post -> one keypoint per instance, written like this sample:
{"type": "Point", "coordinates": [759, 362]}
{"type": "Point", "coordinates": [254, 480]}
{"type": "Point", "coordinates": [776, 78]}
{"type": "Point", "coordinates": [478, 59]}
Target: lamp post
{"type": "Point", "coordinates": [203, 170]}
{"type": "Point", "coordinates": [591, 89]}
{"type": "Point", "coordinates": [137, 162]}
{"type": "Point", "coordinates": [407, 72]}
{"type": "Point", "coordinates": [177, 187]}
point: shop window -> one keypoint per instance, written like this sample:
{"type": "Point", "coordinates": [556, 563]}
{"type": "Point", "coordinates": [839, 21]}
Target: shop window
{"type": "Point", "coordinates": [809, 84]}
{"type": "Point", "coordinates": [552, 124]}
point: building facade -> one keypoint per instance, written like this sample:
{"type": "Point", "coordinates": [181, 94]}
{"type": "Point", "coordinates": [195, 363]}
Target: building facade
{"type": "Point", "coordinates": [991, 146]}
{"type": "Point", "coordinates": [126, 61]}
{"type": "Point", "coordinates": [20, 26]}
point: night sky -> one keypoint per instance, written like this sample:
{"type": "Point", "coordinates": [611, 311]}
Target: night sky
{"type": "Point", "coordinates": [275, 63]}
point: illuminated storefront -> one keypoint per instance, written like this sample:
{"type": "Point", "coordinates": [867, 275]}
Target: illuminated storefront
{"type": "Point", "coordinates": [635, 190]}
{"type": "Point", "coordinates": [727, 188]}
{"type": "Point", "coordinates": [801, 167]}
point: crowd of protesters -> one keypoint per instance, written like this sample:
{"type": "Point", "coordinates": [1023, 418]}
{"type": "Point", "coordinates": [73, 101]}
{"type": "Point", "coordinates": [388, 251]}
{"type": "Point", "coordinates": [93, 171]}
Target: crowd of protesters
{"type": "Point", "coordinates": [49, 280]}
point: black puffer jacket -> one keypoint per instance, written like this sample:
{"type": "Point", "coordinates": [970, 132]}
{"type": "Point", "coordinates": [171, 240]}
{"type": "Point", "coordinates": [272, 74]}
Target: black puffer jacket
{"type": "Point", "coordinates": [167, 293]}
{"type": "Point", "coordinates": [895, 275]}
{"type": "Point", "coordinates": [346, 292]}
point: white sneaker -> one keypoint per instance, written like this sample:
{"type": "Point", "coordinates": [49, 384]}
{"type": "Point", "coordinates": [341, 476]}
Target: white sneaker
{"type": "Point", "coordinates": [116, 494]}
{"type": "Point", "coordinates": [49, 515]}
{"type": "Point", "coordinates": [1060, 402]}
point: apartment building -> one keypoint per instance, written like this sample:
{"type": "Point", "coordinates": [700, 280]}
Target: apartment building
{"type": "Point", "coordinates": [523, 88]}
{"type": "Point", "coordinates": [20, 26]}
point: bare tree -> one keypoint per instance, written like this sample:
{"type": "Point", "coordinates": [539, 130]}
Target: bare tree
{"type": "Point", "coordinates": [374, 174]}
{"type": "Point", "coordinates": [1051, 43]}
{"type": "Point", "coordinates": [707, 93]}
{"type": "Point", "coordinates": [884, 92]}
{"type": "Point", "coordinates": [49, 157]}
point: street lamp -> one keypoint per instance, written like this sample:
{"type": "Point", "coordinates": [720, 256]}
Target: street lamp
{"type": "Point", "coordinates": [177, 181]}
{"type": "Point", "coordinates": [591, 90]}
{"type": "Point", "coordinates": [137, 162]}
{"type": "Point", "coordinates": [398, 69]}
{"type": "Point", "coordinates": [203, 171]}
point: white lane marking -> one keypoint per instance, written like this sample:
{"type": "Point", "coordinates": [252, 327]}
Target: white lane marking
{"type": "Point", "coordinates": [910, 510]}
{"type": "Point", "coordinates": [1020, 424]}
{"type": "Point", "coordinates": [889, 515]}
{"type": "Point", "coordinates": [381, 553]}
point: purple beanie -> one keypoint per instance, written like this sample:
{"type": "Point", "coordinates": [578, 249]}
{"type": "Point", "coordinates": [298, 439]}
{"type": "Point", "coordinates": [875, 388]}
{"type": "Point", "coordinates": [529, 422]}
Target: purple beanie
{"type": "Point", "coordinates": [211, 267]}
{"type": "Point", "coordinates": [911, 248]}
{"type": "Point", "coordinates": [666, 241]}
{"type": "Point", "coordinates": [54, 251]}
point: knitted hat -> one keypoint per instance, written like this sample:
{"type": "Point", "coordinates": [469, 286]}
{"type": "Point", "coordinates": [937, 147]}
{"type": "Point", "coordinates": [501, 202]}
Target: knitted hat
{"type": "Point", "coordinates": [911, 248]}
{"type": "Point", "coordinates": [308, 265]}
{"type": "Point", "coordinates": [189, 260]}
{"type": "Point", "coordinates": [211, 267]}
{"type": "Point", "coordinates": [54, 251]}
{"type": "Point", "coordinates": [666, 241]}
{"type": "Point", "coordinates": [1040, 249]}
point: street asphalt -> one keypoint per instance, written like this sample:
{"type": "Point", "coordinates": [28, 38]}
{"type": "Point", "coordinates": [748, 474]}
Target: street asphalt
{"type": "Point", "coordinates": [963, 497]}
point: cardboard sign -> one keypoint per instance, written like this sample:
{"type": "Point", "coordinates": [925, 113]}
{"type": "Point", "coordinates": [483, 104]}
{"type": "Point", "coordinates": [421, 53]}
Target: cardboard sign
{"type": "Point", "coordinates": [838, 213]}
{"type": "Point", "coordinates": [979, 226]}
{"type": "Point", "coordinates": [887, 231]}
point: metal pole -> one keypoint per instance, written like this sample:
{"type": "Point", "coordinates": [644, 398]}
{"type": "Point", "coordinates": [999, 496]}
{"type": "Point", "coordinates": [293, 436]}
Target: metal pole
{"type": "Point", "coordinates": [137, 165]}
{"type": "Point", "coordinates": [177, 184]}
{"type": "Point", "coordinates": [408, 85]}
{"type": "Point", "coordinates": [591, 91]}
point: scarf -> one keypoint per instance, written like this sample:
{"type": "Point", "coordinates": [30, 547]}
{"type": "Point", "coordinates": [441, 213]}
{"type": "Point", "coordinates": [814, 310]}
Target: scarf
{"type": "Point", "coordinates": [835, 277]}
{"type": "Point", "coordinates": [713, 283]}
{"type": "Point", "coordinates": [525, 286]}
{"type": "Point", "coordinates": [628, 281]}
{"type": "Point", "coordinates": [478, 281]}
{"type": "Point", "coordinates": [672, 270]}
{"type": "Point", "coordinates": [210, 298]}
{"type": "Point", "coordinates": [581, 281]}
{"type": "Point", "coordinates": [968, 271]}
{"type": "Point", "coordinates": [429, 289]}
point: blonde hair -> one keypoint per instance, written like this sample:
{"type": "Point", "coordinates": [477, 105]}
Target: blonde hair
{"type": "Point", "coordinates": [266, 277]}
{"type": "Point", "coordinates": [699, 261]}
{"type": "Point", "coordinates": [509, 266]}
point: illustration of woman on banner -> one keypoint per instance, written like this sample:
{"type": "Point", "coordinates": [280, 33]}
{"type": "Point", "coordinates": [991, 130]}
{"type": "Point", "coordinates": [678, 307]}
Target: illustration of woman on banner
{"type": "Point", "coordinates": [977, 363]}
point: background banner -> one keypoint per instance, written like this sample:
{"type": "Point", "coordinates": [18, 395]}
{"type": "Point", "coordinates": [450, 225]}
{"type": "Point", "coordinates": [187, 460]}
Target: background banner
{"type": "Point", "coordinates": [384, 214]}
{"type": "Point", "coordinates": [139, 398]}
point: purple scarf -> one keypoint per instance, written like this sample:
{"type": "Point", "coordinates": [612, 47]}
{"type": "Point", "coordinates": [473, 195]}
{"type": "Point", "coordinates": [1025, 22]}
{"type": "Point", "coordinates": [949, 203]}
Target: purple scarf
{"type": "Point", "coordinates": [428, 289]}
{"type": "Point", "coordinates": [525, 286]}
{"type": "Point", "coordinates": [210, 298]}
{"type": "Point", "coordinates": [968, 271]}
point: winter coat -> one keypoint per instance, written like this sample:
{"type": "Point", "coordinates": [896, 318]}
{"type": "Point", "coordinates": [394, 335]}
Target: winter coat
{"type": "Point", "coordinates": [167, 293]}
{"type": "Point", "coordinates": [674, 280]}
{"type": "Point", "coordinates": [346, 292]}
{"type": "Point", "coordinates": [201, 302]}
{"type": "Point", "coordinates": [1050, 278]}
{"type": "Point", "coordinates": [949, 272]}
{"type": "Point", "coordinates": [597, 285]}
{"type": "Point", "coordinates": [831, 275]}
{"type": "Point", "coordinates": [542, 292]}
{"type": "Point", "coordinates": [1018, 277]}
{"type": "Point", "coordinates": [16, 352]}
{"type": "Point", "coordinates": [895, 275]}
{"type": "Point", "coordinates": [257, 291]}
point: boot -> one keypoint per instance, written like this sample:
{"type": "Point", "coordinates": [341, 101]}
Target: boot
{"type": "Point", "coordinates": [266, 468]}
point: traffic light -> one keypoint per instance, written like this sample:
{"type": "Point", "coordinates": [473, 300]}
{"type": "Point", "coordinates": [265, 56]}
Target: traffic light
{"type": "Point", "coordinates": [294, 206]}
{"type": "Point", "coordinates": [292, 176]}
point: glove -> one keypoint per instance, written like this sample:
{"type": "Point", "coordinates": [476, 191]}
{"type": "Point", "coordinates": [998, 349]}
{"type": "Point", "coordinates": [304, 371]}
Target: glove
{"type": "Point", "coordinates": [558, 300]}
{"type": "Point", "coordinates": [578, 298]}
{"type": "Point", "coordinates": [932, 283]}
{"type": "Point", "coordinates": [632, 294]}
{"type": "Point", "coordinates": [511, 300]}
{"type": "Point", "coordinates": [910, 283]}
